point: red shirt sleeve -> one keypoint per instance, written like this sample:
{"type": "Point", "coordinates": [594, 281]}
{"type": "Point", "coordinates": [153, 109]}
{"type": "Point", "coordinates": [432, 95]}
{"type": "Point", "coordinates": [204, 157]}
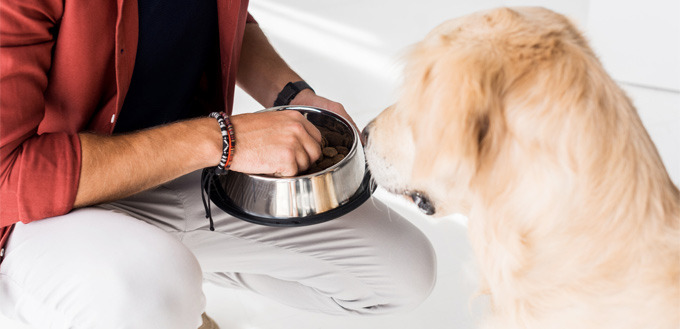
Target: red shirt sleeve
{"type": "Point", "coordinates": [39, 171]}
{"type": "Point", "coordinates": [250, 19]}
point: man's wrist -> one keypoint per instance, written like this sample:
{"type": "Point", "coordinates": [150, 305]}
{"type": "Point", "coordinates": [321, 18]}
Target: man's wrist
{"type": "Point", "coordinates": [303, 97]}
{"type": "Point", "coordinates": [212, 145]}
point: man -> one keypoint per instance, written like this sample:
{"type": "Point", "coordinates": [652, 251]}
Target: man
{"type": "Point", "coordinates": [104, 130]}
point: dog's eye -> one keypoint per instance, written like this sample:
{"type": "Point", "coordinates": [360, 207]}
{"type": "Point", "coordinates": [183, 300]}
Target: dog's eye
{"type": "Point", "coordinates": [422, 202]}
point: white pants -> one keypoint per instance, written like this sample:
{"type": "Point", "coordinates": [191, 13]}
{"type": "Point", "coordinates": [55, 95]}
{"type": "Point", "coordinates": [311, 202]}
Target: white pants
{"type": "Point", "coordinates": [140, 263]}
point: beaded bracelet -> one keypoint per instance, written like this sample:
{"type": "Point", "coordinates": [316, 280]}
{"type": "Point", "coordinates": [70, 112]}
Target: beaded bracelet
{"type": "Point", "coordinates": [228, 142]}
{"type": "Point", "coordinates": [232, 139]}
{"type": "Point", "coordinates": [225, 161]}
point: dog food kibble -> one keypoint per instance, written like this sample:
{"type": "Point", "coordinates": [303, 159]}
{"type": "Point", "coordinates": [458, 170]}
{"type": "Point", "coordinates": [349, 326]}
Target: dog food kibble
{"type": "Point", "coordinates": [329, 152]}
{"type": "Point", "coordinates": [334, 148]}
{"type": "Point", "coordinates": [342, 150]}
{"type": "Point", "coordinates": [334, 138]}
{"type": "Point", "coordinates": [338, 157]}
{"type": "Point", "coordinates": [325, 163]}
{"type": "Point", "coordinates": [313, 168]}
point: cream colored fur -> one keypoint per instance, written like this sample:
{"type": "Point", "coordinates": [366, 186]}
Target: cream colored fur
{"type": "Point", "coordinates": [509, 117]}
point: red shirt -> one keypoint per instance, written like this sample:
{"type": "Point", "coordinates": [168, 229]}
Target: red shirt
{"type": "Point", "coordinates": [65, 67]}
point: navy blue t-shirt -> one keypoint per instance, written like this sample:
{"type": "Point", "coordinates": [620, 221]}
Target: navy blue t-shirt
{"type": "Point", "coordinates": [176, 38]}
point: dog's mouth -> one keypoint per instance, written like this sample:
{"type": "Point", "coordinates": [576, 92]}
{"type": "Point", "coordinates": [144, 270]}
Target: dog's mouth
{"type": "Point", "coordinates": [422, 201]}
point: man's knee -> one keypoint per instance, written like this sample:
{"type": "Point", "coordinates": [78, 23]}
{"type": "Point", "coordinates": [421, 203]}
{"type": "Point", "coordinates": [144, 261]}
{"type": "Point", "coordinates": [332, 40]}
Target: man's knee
{"type": "Point", "coordinates": [98, 269]}
{"type": "Point", "coordinates": [404, 261]}
{"type": "Point", "coordinates": [156, 284]}
{"type": "Point", "coordinates": [410, 273]}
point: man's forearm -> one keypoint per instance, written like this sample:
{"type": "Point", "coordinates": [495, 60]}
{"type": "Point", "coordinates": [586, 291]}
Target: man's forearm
{"type": "Point", "coordinates": [262, 72]}
{"type": "Point", "coordinates": [114, 167]}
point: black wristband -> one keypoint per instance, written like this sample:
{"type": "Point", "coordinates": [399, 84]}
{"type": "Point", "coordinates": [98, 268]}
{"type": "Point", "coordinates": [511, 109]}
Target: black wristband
{"type": "Point", "coordinates": [290, 91]}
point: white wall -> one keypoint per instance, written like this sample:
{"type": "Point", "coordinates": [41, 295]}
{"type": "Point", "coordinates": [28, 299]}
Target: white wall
{"type": "Point", "coordinates": [652, 26]}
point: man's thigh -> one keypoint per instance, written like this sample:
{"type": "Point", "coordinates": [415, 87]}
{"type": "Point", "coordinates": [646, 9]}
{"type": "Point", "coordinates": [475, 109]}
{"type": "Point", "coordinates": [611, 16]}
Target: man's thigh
{"type": "Point", "coordinates": [371, 260]}
{"type": "Point", "coordinates": [95, 268]}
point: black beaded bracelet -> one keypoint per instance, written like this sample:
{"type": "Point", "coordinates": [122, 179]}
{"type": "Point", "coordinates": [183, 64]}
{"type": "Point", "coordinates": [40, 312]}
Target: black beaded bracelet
{"type": "Point", "coordinates": [226, 145]}
{"type": "Point", "coordinates": [228, 142]}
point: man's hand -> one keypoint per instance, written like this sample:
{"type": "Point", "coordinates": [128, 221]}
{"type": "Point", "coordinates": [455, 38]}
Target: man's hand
{"type": "Point", "coordinates": [280, 143]}
{"type": "Point", "coordinates": [309, 98]}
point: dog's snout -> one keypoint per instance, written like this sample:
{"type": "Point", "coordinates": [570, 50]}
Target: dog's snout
{"type": "Point", "coordinates": [365, 132]}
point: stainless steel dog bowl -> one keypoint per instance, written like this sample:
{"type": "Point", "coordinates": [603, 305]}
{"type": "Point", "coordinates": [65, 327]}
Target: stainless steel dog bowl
{"type": "Point", "coordinates": [300, 200]}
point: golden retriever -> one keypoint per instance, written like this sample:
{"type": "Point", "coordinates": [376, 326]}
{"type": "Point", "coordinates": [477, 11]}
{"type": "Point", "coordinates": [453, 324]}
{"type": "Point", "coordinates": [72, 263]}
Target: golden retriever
{"type": "Point", "coordinates": [508, 116]}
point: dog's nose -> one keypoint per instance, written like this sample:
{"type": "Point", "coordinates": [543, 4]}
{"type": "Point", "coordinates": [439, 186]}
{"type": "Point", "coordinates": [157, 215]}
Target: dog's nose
{"type": "Point", "coordinates": [423, 203]}
{"type": "Point", "coordinates": [365, 132]}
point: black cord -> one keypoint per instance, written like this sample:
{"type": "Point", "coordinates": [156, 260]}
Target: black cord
{"type": "Point", "coordinates": [207, 184]}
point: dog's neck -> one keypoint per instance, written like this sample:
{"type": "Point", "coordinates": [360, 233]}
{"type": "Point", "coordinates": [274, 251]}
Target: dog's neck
{"type": "Point", "coordinates": [544, 225]}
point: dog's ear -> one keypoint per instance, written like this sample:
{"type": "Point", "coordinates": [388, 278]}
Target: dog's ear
{"type": "Point", "coordinates": [455, 100]}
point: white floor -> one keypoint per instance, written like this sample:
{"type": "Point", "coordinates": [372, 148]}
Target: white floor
{"type": "Point", "coordinates": [348, 50]}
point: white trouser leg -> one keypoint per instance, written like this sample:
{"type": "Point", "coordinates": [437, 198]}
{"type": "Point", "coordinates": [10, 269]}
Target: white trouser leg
{"type": "Point", "coordinates": [370, 261]}
{"type": "Point", "coordinates": [97, 269]}
{"type": "Point", "coordinates": [362, 263]}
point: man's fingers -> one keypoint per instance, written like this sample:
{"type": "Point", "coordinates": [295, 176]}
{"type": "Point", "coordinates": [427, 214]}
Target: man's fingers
{"type": "Point", "coordinates": [293, 157]}
{"type": "Point", "coordinates": [312, 149]}
{"type": "Point", "coordinates": [303, 161]}
{"type": "Point", "coordinates": [310, 128]}
{"type": "Point", "coordinates": [288, 159]}
{"type": "Point", "coordinates": [313, 131]}
{"type": "Point", "coordinates": [307, 148]}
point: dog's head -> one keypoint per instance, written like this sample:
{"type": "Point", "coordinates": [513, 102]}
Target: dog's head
{"type": "Point", "coordinates": [473, 89]}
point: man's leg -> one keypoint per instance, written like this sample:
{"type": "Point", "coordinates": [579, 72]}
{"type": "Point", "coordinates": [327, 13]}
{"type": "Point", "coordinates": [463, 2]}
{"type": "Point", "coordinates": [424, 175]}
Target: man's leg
{"type": "Point", "coordinates": [95, 268]}
{"type": "Point", "coordinates": [370, 261]}
{"type": "Point", "coordinates": [367, 262]}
